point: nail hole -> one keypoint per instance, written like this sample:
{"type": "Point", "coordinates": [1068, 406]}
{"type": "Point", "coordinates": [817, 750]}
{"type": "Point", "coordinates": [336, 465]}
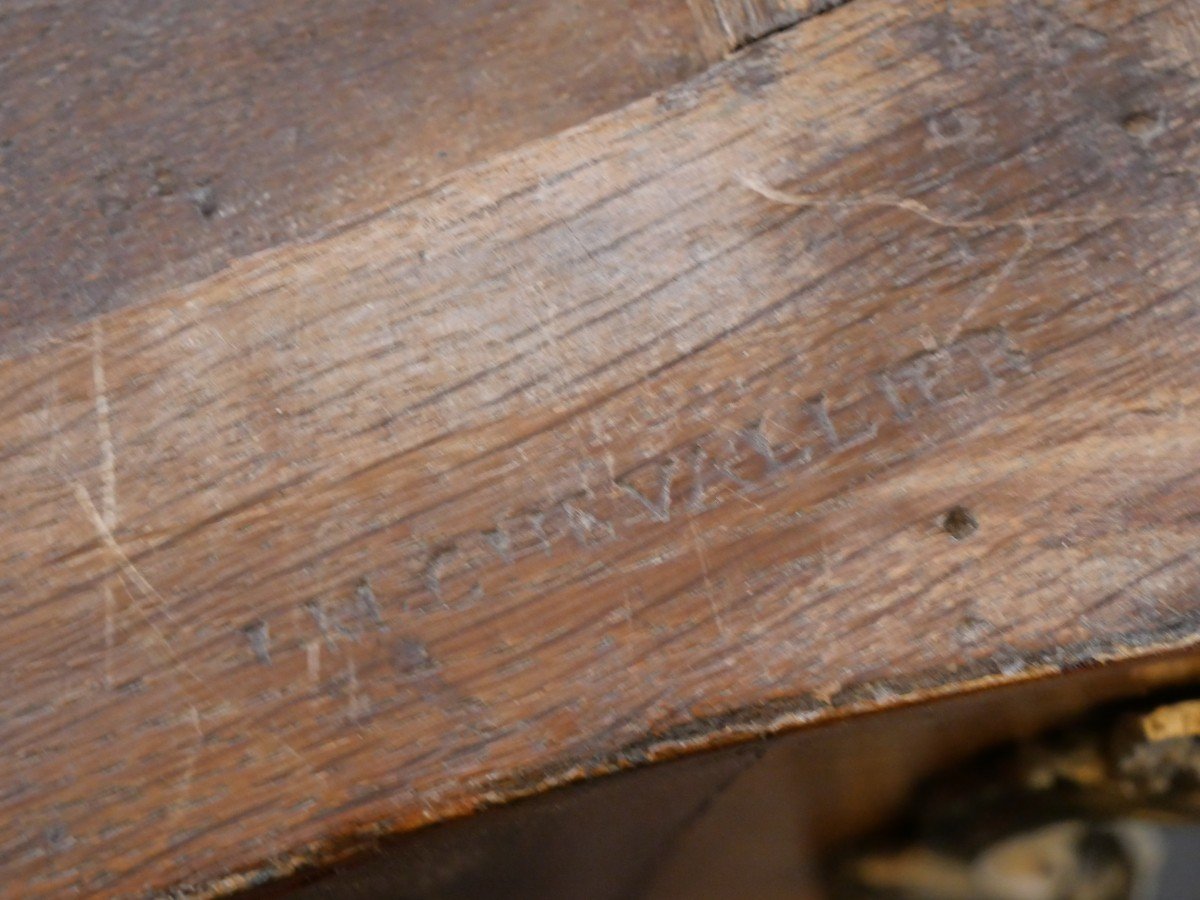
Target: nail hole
{"type": "Point", "coordinates": [205, 198]}
{"type": "Point", "coordinates": [1142, 124]}
{"type": "Point", "coordinates": [959, 523]}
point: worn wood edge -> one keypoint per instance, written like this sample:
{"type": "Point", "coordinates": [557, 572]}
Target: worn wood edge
{"type": "Point", "coordinates": [825, 786]}
{"type": "Point", "coordinates": [785, 716]}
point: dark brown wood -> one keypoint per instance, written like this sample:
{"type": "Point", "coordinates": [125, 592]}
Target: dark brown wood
{"type": "Point", "coordinates": [145, 144]}
{"type": "Point", "coordinates": [769, 833]}
{"type": "Point", "coordinates": [644, 438]}
{"type": "Point", "coordinates": [599, 840]}
{"type": "Point", "coordinates": [757, 820]}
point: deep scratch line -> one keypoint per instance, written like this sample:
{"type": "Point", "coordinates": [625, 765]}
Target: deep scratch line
{"type": "Point", "coordinates": [108, 461]}
{"type": "Point", "coordinates": [130, 571]}
{"type": "Point", "coordinates": [917, 208]}
{"type": "Point", "coordinates": [1002, 275]}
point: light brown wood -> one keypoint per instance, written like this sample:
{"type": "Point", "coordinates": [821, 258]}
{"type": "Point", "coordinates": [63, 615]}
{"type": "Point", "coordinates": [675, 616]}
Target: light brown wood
{"type": "Point", "coordinates": [637, 439]}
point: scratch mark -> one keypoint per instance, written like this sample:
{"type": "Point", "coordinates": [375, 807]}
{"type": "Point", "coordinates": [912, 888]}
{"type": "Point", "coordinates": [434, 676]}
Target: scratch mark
{"type": "Point", "coordinates": [352, 689]}
{"type": "Point", "coordinates": [1026, 223]}
{"type": "Point", "coordinates": [108, 484]}
{"type": "Point", "coordinates": [890, 201]}
{"type": "Point", "coordinates": [712, 599]}
{"type": "Point", "coordinates": [259, 636]}
{"type": "Point", "coordinates": [312, 652]}
{"type": "Point", "coordinates": [130, 571]}
{"type": "Point", "coordinates": [106, 537]}
{"type": "Point", "coordinates": [108, 465]}
{"type": "Point", "coordinates": [499, 541]}
{"type": "Point", "coordinates": [660, 506]}
{"type": "Point", "coordinates": [998, 278]}
{"type": "Point", "coordinates": [110, 634]}
{"type": "Point", "coordinates": [317, 610]}
{"type": "Point", "coordinates": [368, 604]}
{"type": "Point", "coordinates": [189, 772]}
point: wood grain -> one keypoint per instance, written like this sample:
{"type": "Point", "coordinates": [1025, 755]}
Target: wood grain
{"type": "Point", "coordinates": [792, 800]}
{"type": "Point", "coordinates": [727, 25]}
{"type": "Point", "coordinates": [634, 440]}
{"type": "Point", "coordinates": [146, 144]}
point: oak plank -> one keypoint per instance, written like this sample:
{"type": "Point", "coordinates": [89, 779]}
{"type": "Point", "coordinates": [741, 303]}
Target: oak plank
{"type": "Point", "coordinates": [634, 440]}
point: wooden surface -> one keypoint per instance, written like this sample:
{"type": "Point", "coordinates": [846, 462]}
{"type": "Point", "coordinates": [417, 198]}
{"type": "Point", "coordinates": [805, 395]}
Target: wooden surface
{"type": "Point", "coordinates": [143, 144]}
{"type": "Point", "coordinates": [147, 144]}
{"type": "Point", "coordinates": [636, 439]}
{"type": "Point", "coordinates": [754, 820]}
